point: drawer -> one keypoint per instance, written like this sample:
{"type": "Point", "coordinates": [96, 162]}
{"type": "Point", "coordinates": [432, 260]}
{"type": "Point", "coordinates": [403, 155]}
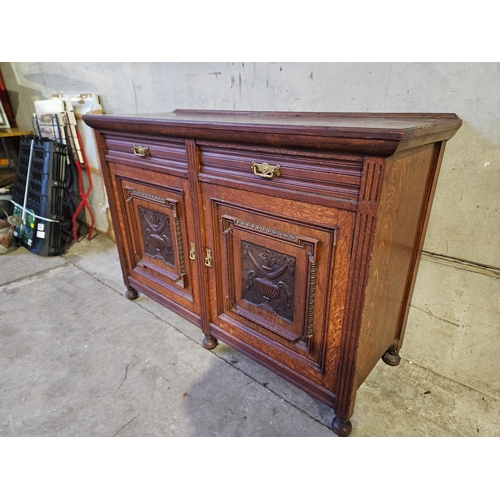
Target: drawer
{"type": "Point", "coordinates": [168, 156]}
{"type": "Point", "coordinates": [321, 178]}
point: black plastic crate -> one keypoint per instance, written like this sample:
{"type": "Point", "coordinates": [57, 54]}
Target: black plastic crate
{"type": "Point", "coordinates": [39, 236]}
{"type": "Point", "coordinates": [47, 182]}
{"type": "Point", "coordinates": [46, 218]}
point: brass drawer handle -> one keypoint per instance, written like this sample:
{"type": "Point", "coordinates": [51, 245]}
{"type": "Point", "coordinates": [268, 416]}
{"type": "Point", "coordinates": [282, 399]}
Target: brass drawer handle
{"type": "Point", "coordinates": [140, 150]}
{"type": "Point", "coordinates": [265, 170]}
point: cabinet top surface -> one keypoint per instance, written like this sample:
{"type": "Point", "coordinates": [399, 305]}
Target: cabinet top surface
{"type": "Point", "coordinates": [384, 127]}
{"type": "Point", "coordinates": [382, 121]}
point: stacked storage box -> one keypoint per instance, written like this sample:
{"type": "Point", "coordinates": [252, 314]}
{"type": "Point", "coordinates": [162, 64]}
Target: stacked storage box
{"type": "Point", "coordinates": [40, 192]}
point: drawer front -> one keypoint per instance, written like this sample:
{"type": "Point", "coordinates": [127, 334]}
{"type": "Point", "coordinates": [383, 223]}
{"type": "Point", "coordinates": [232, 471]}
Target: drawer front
{"type": "Point", "coordinates": [278, 280]}
{"type": "Point", "coordinates": [316, 178]}
{"type": "Point", "coordinates": [166, 156]}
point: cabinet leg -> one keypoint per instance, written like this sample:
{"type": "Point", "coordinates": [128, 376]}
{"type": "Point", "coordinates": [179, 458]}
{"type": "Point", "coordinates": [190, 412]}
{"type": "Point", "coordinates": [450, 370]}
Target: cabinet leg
{"type": "Point", "coordinates": [209, 342]}
{"type": "Point", "coordinates": [391, 358]}
{"type": "Point", "coordinates": [131, 293]}
{"type": "Point", "coordinates": [341, 428]}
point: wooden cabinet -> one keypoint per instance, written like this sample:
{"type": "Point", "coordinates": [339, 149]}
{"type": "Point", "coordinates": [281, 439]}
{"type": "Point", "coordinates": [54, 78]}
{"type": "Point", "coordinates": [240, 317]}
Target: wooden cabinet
{"type": "Point", "coordinates": [152, 210]}
{"type": "Point", "coordinates": [294, 238]}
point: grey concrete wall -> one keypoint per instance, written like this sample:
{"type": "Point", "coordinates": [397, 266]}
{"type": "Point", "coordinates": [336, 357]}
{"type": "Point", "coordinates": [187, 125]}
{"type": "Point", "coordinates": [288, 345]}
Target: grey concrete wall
{"type": "Point", "coordinates": [454, 324]}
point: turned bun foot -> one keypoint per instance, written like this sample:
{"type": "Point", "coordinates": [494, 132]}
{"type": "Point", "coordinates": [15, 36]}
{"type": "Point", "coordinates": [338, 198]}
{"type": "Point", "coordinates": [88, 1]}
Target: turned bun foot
{"type": "Point", "coordinates": [131, 293]}
{"type": "Point", "coordinates": [391, 358]}
{"type": "Point", "coordinates": [209, 343]}
{"type": "Point", "coordinates": [341, 428]}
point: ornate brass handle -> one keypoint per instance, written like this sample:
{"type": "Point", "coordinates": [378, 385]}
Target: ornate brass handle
{"type": "Point", "coordinates": [265, 170]}
{"type": "Point", "coordinates": [192, 252]}
{"type": "Point", "coordinates": [140, 150]}
{"type": "Point", "coordinates": [208, 258]}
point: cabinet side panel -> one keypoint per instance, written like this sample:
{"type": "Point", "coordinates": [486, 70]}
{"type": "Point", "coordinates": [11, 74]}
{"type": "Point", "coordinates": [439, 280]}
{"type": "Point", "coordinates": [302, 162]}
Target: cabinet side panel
{"type": "Point", "coordinates": [404, 206]}
{"type": "Point", "coordinates": [113, 205]}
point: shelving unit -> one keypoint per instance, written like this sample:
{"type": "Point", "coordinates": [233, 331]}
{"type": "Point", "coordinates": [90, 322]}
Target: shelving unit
{"type": "Point", "coordinates": [8, 161]}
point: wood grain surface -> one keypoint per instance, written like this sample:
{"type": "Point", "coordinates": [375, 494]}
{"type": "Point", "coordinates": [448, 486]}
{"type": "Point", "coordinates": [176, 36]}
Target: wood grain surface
{"type": "Point", "coordinates": [309, 272]}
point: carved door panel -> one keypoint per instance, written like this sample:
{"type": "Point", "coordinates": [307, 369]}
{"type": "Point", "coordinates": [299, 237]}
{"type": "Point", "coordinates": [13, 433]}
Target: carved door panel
{"type": "Point", "coordinates": [271, 278]}
{"type": "Point", "coordinates": [274, 277]}
{"type": "Point", "coordinates": [157, 239]}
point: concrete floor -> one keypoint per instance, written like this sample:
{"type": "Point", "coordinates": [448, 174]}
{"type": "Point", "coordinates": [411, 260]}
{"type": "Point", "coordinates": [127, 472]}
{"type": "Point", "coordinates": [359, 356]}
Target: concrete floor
{"type": "Point", "coordinates": [78, 359]}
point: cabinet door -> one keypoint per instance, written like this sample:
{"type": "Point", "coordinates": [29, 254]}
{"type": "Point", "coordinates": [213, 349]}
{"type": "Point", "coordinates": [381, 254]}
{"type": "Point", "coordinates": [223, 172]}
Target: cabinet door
{"type": "Point", "coordinates": [278, 275]}
{"type": "Point", "coordinates": [157, 237]}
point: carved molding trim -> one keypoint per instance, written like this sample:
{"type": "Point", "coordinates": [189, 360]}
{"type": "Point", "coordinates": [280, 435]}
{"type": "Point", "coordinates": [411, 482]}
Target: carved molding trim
{"type": "Point", "coordinates": [267, 230]}
{"type": "Point", "coordinates": [229, 269]}
{"type": "Point", "coordinates": [310, 298]}
{"type": "Point", "coordinates": [179, 245]}
{"type": "Point", "coordinates": [135, 193]}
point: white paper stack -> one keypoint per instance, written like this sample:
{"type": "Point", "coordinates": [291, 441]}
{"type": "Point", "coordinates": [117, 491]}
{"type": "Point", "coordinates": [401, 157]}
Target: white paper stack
{"type": "Point", "coordinates": [87, 104]}
{"type": "Point", "coordinates": [56, 120]}
{"type": "Point", "coordinates": [50, 119]}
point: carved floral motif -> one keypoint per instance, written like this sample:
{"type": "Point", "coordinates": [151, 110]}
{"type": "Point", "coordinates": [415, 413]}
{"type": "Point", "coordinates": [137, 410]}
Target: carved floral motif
{"type": "Point", "coordinates": [157, 235]}
{"type": "Point", "coordinates": [268, 279]}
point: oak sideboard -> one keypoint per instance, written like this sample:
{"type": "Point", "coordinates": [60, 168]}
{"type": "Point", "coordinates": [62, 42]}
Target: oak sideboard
{"type": "Point", "coordinates": [294, 238]}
